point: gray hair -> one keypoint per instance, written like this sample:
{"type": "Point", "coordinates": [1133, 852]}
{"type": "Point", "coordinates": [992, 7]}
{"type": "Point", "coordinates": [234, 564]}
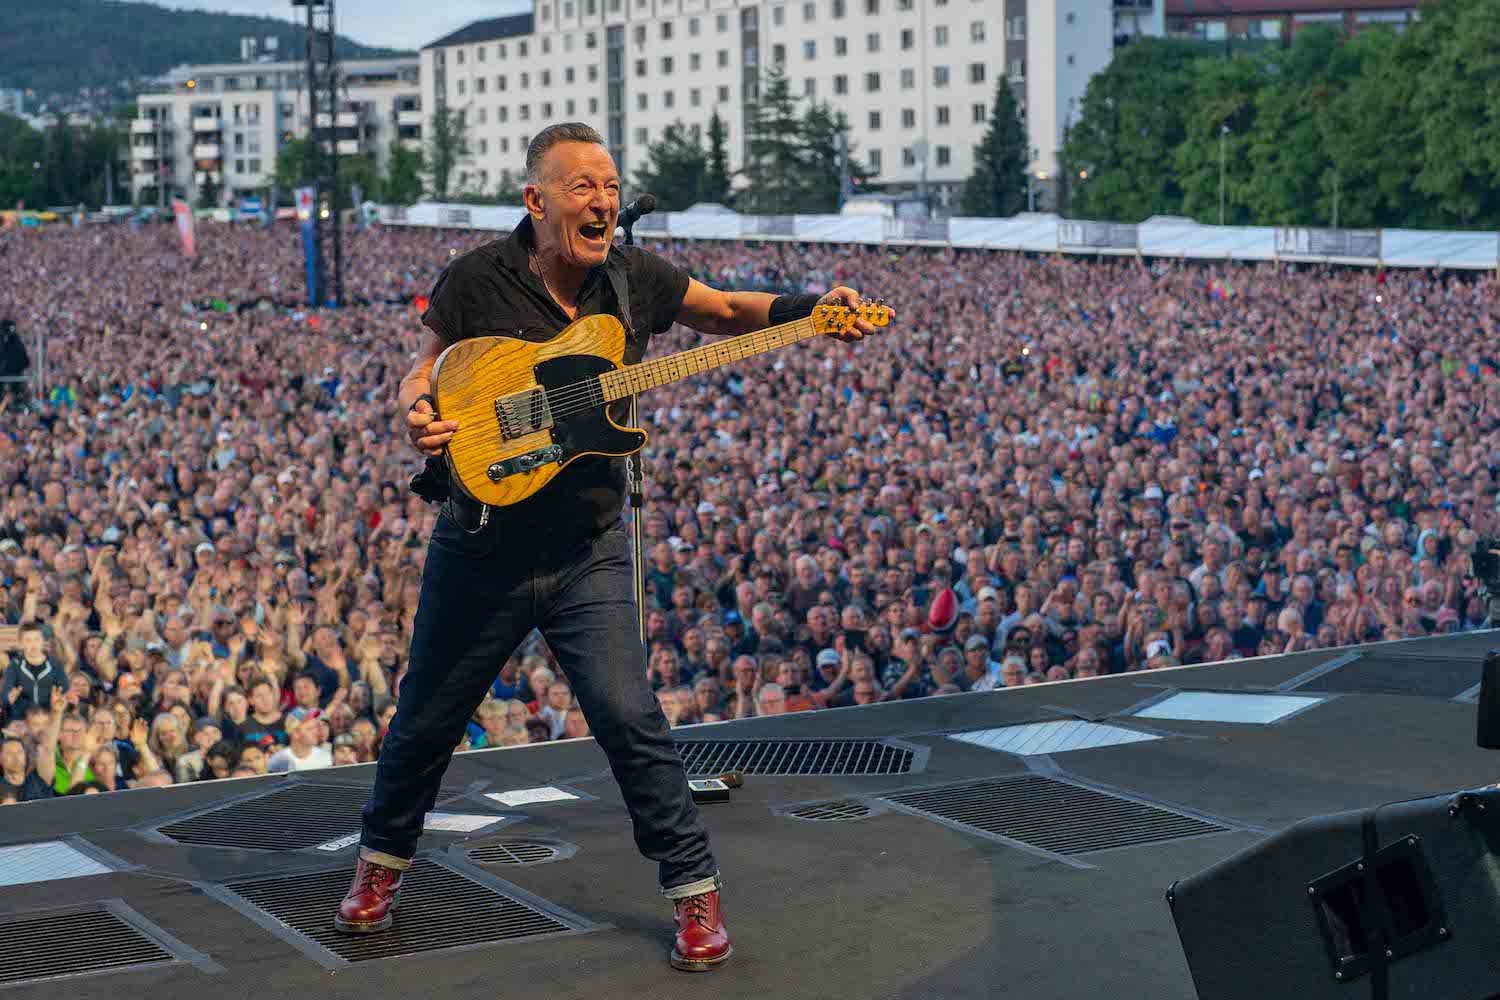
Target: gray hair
{"type": "Point", "coordinates": [551, 136]}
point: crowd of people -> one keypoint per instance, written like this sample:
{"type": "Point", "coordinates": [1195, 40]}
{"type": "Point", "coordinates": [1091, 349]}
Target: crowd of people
{"type": "Point", "coordinates": [1050, 468]}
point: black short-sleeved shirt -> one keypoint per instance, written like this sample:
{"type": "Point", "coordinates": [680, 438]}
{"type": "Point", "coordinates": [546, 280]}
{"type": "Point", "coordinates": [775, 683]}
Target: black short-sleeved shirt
{"type": "Point", "coordinates": [492, 291]}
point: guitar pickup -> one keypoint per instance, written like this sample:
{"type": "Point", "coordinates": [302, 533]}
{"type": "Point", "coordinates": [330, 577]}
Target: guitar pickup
{"type": "Point", "coordinates": [523, 413]}
{"type": "Point", "coordinates": [524, 463]}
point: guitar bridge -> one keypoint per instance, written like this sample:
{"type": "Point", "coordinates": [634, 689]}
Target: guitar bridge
{"type": "Point", "coordinates": [523, 413]}
{"type": "Point", "coordinates": [524, 463]}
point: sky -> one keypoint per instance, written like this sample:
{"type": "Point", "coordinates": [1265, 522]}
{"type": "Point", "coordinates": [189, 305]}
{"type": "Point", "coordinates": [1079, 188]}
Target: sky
{"type": "Point", "coordinates": [398, 24]}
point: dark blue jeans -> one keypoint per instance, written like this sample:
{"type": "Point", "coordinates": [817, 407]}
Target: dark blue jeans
{"type": "Point", "coordinates": [481, 595]}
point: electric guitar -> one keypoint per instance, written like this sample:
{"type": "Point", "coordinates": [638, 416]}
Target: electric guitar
{"type": "Point", "coordinates": [525, 410]}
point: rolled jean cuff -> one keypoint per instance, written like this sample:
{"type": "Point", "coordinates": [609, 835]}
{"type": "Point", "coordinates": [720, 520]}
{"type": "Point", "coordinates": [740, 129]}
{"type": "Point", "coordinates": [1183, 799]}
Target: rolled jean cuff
{"type": "Point", "coordinates": [698, 888]}
{"type": "Point", "coordinates": [385, 860]}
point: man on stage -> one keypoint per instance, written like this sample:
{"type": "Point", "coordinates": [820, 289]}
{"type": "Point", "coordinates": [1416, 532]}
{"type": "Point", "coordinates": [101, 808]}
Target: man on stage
{"type": "Point", "coordinates": [557, 561]}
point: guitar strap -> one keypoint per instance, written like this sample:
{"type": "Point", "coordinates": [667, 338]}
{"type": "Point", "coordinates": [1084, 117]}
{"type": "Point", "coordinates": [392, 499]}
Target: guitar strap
{"type": "Point", "coordinates": [619, 280]}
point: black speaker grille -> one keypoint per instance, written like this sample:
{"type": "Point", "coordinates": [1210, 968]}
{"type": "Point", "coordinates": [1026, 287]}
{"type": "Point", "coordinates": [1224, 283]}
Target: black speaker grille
{"type": "Point", "coordinates": [291, 818]}
{"type": "Point", "coordinates": [513, 852]}
{"type": "Point", "coordinates": [832, 811]}
{"type": "Point", "coordinates": [41, 947]}
{"type": "Point", "coordinates": [438, 908]}
{"type": "Point", "coordinates": [1053, 815]}
{"type": "Point", "coordinates": [807, 757]}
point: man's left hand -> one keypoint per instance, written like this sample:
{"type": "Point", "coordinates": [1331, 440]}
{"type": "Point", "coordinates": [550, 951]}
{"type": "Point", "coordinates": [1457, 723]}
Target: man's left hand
{"type": "Point", "coordinates": [846, 296]}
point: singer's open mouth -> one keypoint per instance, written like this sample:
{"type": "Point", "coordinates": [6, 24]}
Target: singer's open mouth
{"type": "Point", "coordinates": [594, 232]}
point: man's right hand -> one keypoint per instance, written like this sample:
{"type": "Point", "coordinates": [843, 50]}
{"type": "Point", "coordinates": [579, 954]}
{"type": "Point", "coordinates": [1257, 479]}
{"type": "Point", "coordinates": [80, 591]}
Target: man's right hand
{"type": "Point", "coordinates": [427, 433]}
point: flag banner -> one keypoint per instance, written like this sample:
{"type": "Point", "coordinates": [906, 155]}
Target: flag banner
{"type": "Point", "coordinates": [307, 201]}
{"type": "Point", "coordinates": [184, 216]}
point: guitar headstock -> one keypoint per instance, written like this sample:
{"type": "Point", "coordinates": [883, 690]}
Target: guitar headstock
{"type": "Point", "coordinates": [838, 320]}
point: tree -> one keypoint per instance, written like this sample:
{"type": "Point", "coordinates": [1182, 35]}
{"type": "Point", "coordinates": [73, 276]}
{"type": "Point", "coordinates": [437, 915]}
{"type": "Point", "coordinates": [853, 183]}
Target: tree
{"type": "Point", "coordinates": [825, 133]}
{"type": "Point", "coordinates": [775, 166]}
{"type": "Point", "coordinates": [22, 149]}
{"type": "Point", "coordinates": [997, 188]}
{"type": "Point", "coordinates": [447, 146]}
{"type": "Point", "coordinates": [1457, 61]}
{"type": "Point", "coordinates": [1132, 119]}
{"type": "Point", "coordinates": [291, 165]}
{"type": "Point", "coordinates": [293, 171]}
{"type": "Point", "coordinates": [208, 191]}
{"type": "Point", "coordinates": [1373, 133]}
{"type": "Point", "coordinates": [1224, 92]}
{"type": "Point", "coordinates": [402, 184]}
{"type": "Point", "coordinates": [674, 169]}
{"type": "Point", "coordinates": [716, 177]}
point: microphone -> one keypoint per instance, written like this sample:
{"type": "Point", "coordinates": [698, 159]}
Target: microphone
{"type": "Point", "coordinates": [644, 205]}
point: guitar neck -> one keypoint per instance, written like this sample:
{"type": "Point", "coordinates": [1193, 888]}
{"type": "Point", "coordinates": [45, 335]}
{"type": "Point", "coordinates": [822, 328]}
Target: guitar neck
{"type": "Point", "coordinates": [650, 374]}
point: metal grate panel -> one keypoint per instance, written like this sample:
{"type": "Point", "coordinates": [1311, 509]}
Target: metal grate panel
{"type": "Point", "coordinates": [45, 861]}
{"type": "Point", "coordinates": [820, 757]}
{"type": "Point", "coordinates": [1052, 815]}
{"type": "Point", "coordinates": [67, 944]}
{"type": "Point", "coordinates": [513, 852]}
{"type": "Point", "coordinates": [1052, 737]}
{"type": "Point", "coordinates": [831, 811]}
{"type": "Point", "coordinates": [438, 908]}
{"type": "Point", "coordinates": [291, 818]}
{"type": "Point", "coordinates": [1427, 677]}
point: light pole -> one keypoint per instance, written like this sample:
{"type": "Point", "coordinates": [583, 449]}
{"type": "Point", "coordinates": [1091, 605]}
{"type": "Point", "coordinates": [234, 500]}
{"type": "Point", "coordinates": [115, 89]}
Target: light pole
{"type": "Point", "coordinates": [1335, 197]}
{"type": "Point", "coordinates": [1223, 132]}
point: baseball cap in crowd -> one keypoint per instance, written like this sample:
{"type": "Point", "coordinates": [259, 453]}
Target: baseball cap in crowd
{"type": "Point", "coordinates": [911, 633]}
{"type": "Point", "coordinates": [1152, 492]}
{"type": "Point", "coordinates": [828, 658]}
{"type": "Point", "coordinates": [1158, 647]}
{"type": "Point", "coordinates": [204, 547]}
{"type": "Point", "coordinates": [705, 507]}
{"type": "Point", "coordinates": [988, 594]}
{"type": "Point", "coordinates": [206, 722]}
{"type": "Point", "coordinates": [976, 642]}
{"type": "Point", "coordinates": [1257, 474]}
{"type": "Point", "coordinates": [732, 617]}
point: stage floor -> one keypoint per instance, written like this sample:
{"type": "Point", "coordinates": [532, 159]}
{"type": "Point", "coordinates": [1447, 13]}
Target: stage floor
{"type": "Point", "coordinates": [1021, 863]}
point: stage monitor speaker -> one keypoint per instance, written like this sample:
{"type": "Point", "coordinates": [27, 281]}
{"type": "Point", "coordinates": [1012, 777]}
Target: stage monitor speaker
{"type": "Point", "coordinates": [1401, 901]}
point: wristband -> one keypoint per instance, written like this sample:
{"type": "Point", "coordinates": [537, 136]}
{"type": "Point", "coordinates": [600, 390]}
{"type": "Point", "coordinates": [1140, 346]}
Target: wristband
{"type": "Point", "coordinates": [430, 402]}
{"type": "Point", "coordinates": [785, 308]}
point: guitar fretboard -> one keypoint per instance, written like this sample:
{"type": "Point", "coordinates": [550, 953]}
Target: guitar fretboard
{"type": "Point", "coordinates": [650, 374]}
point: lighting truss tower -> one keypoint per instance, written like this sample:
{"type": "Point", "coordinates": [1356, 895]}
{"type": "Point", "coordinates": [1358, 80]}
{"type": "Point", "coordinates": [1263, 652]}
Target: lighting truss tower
{"type": "Point", "coordinates": [323, 86]}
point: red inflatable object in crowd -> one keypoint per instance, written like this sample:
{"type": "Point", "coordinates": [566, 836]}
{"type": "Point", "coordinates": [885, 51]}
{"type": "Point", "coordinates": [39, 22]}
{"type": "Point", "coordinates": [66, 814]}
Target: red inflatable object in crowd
{"type": "Point", "coordinates": [942, 613]}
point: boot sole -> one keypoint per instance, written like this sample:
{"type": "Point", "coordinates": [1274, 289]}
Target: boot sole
{"type": "Point", "coordinates": [366, 927]}
{"type": "Point", "coordinates": [700, 964]}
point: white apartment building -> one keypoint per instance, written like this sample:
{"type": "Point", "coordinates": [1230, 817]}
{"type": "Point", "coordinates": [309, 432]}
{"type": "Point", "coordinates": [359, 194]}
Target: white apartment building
{"type": "Point", "coordinates": [916, 79]}
{"type": "Point", "coordinates": [227, 121]}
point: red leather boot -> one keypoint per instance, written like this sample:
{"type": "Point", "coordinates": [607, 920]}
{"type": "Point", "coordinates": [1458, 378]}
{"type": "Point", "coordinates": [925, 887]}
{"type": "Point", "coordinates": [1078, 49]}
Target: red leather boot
{"type": "Point", "coordinates": [371, 901]}
{"type": "Point", "coordinates": [702, 943]}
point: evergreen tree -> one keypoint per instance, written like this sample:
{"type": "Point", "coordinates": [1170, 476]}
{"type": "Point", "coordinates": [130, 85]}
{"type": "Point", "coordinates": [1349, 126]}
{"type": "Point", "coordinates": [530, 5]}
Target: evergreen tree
{"type": "Point", "coordinates": [775, 169]}
{"type": "Point", "coordinates": [824, 133]}
{"type": "Point", "coordinates": [997, 188]}
{"type": "Point", "coordinates": [446, 147]}
{"type": "Point", "coordinates": [402, 184]}
{"type": "Point", "coordinates": [716, 177]}
{"type": "Point", "coordinates": [674, 169]}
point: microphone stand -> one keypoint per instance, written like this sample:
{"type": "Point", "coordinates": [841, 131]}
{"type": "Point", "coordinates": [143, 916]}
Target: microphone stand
{"type": "Point", "coordinates": [635, 481]}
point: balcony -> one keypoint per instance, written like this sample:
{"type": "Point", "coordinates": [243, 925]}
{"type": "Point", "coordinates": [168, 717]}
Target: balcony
{"type": "Point", "coordinates": [202, 177]}
{"type": "Point", "coordinates": [143, 178]}
{"type": "Point", "coordinates": [410, 142]}
{"type": "Point", "coordinates": [206, 151]}
{"type": "Point", "coordinates": [348, 147]}
{"type": "Point", "coordinates": [143, 152]}
{"type": "Point", "coordinates": [347, 119]}
{"type": "Point", "coordinates": [147, 126]}
{"type": "Point", "coordinates": [408, 118]}
{"type": "Point", "coordinates": [206, 123]}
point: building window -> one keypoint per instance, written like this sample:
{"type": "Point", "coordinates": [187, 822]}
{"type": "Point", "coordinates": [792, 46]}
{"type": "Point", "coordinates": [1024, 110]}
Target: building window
{"type": "Point", "coordinates": [499, 83]}
{"type": "Point", "coordinates": [841, 84]}
{"type": "Point", "coordinates": [484, 147]}
{"type": "Point", "coordinates": [874, 121]}
{"type": "Point", "coordinates": [694, 26]}
{"type": "Point", "coordinates": [872, 7]}
{"type": "Point", "coordinates": [908, 78]}
{"type": "Point", "coordinates": [809, 87]}
{"type": "Point", "coordinates": [546, 78]}
{"type": "Point", "coordinates": [479, 116]}
{"type": "Point", "coordinates": [640, 34]}
{"type": "Point", "coordinates": [944, 156]}
{"type": "Point", "coordinates": [568, 74]}
{"type": "Point", "coordinates": [239, 166]}
{"type": "Point", "coordinates": [977, 114]}
{"type": "Point", "coordinates": [873, 156]}
{"type": "Point", "coordinates": [695, 97]}
{"type": "Point", "coordinates": [723, 95]}
{"type": "Point", "coordinates": [590, 41]}
{"type": "Point", "coordinates": [524, 112]}
{"type": "Point", "coordinates": [1018, 69]}
{"type": "Point", "coordinates": [666, 99]}
{"type": "Point", "coordinates": [666, 65]}
{"type": "Point", "coordinates": [976, 31]}
{"type": "Point", "coordinates": [695, 61]}
{"type": "Point", "coordinates": [593, 74]}
{"type": "Point", "coordinates": [838, 9]}
{"type": "Point", "coordinates": [505, 145]}
{"type": "Point", "coordinates": [872, 42]}
{"type": "Point", "coordinates": [908, 156]}
{"type": "Point", "coordinates": [778, 55]}
{"type": "Point", "coordinates": [524, 142]}
{"type": "Point", "coordinates": [723, 58]}
{"type": "Point", "coordinates": [809, 12]}
{"type": "Point", "coordinates": [479, 83]}
{"type": "Point", "coordinates": [778, 16]}
{"type": "Point", "coordinates": [521, 50]}
{"type": "Point", "coordinates": [940, 35]}
{"type": "Point", "coordinates": [525, 80]}
{"type": "Point", "coordinates": [567, 43]}
{"type": "Point", "coordinates": [546, 12]}
{"type": "Point", "coordinates": [640, 102]}
{"type": "Point", "coordinates": [1015, 28]}
{"type": "Point", "coordinates": [255, 166]}
{"type": "Point", "coordinates": [546, 109]}
{"type": "Point", "coordinates": [840, 46]}
{"type": "Point", "coordinates": [461, 86]}
{"type": "Point", "coordinates": [459, 58]}
{"type": "Point", "coordinates": [1070, 58]}
{"type": "Point", "coordinates": [591, 7]}
{"type": "Point", "coordinates": [721, 23]}
{"type": "Point", "coordinates": [940, 76]}
{"type": "Point", "coordinates": [872, 83]}
{"type": "Point", "coordinates": [810, 49]}
{"type": "Point", "coordinates": [666, 31]}
{"type": "Point", "coordinates": [908, 118]}
{"type": "Point", "coordinates": [570, 106]}
{"type": "Point", "coordinates": [640, 137]}
{"type": "Point", "coordinates": [479, 53]}
{"type": "Point", "coordinates": [976, 71]}
{"type": "Point", "coordinates": [546, 45]}
{"type": "Point", "coordinates": [942, 114]}
{"type": "Point", "coordinates": [502, 115]}
{"type": "Point", "coordinates": [500, 50]}
{"type": "Point", "coordinates": [640, 67]}
{"type": "Point", "coordinates": [593, 105]}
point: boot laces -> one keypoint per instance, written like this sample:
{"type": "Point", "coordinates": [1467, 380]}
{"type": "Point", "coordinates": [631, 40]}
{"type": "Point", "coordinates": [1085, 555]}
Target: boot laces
{"type": "Point", "coordinates": [698, 908]}
{"type": "Point", "coordinates": [377, 877]}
